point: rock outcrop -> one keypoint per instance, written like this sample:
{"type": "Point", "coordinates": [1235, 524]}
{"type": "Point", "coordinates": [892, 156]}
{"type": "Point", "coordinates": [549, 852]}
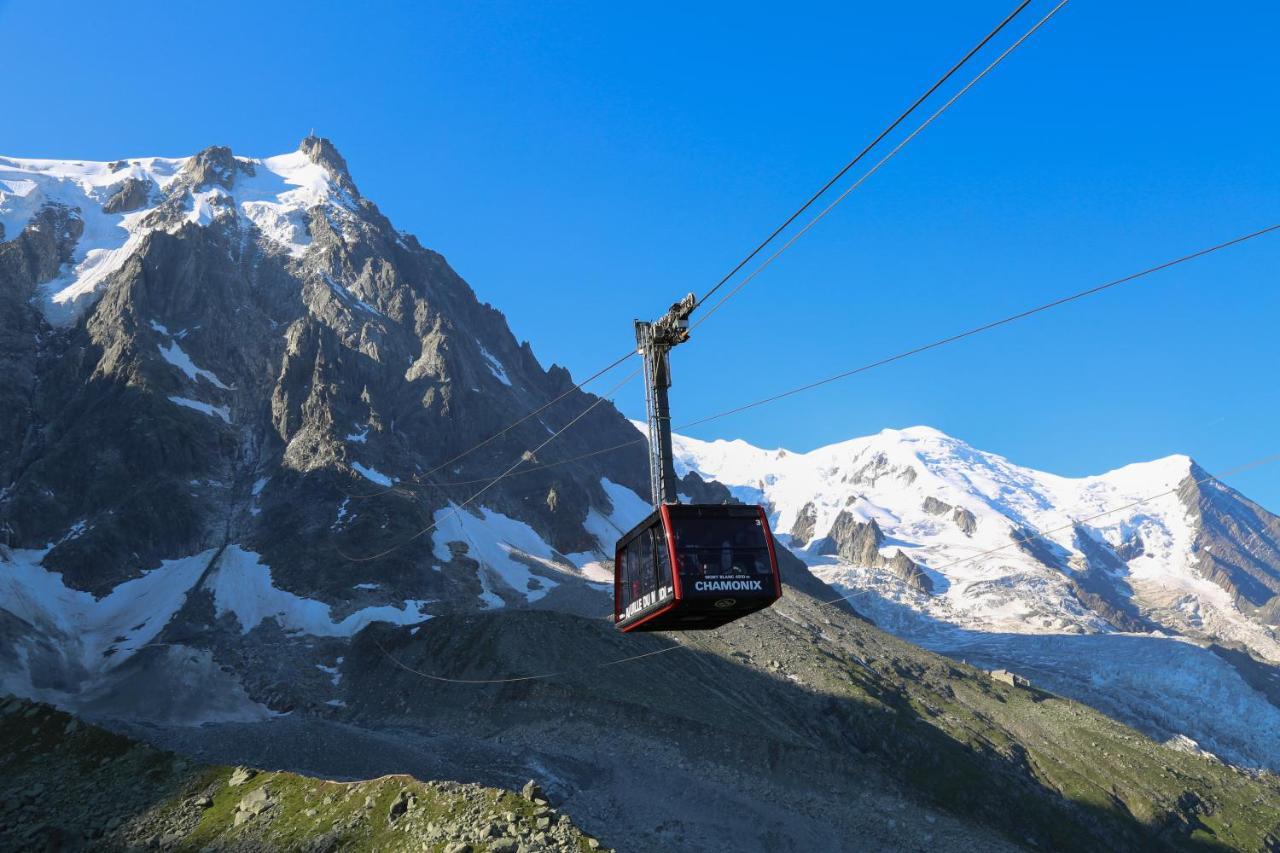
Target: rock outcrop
{"type": "Point", "coordinates": [802, 530]}
{"type": "Point", "coordinates": [132, 195]}
{"type": "Point", "coordinates": [859, 543]}
{"type": "Point", "coordinates": [964, 520]}
{"type": "Point", "coordinates": [933, 506]}
{"type": "Point", "coordinates": [1237, 544]}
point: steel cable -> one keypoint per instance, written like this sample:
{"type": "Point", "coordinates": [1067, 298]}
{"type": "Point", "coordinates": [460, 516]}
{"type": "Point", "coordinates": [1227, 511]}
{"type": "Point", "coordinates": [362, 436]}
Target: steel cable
{"type": "Point", "coordinates": [524, 457]}
{"type": "Point", "coordinates": [924, 347]}
{"type": "Point", "coordinates": [880, 138]}
{"type": "Point", "coordinates": [892, 152]}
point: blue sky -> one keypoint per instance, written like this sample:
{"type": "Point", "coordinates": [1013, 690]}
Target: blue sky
{"type": "Point", "coordinates": [582, 164]}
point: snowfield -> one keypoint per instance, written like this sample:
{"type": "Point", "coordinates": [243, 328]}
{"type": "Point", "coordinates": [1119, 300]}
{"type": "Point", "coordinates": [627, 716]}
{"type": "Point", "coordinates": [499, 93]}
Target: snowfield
{"type": "Point", "coordinates": [242, 586]}
{"type": "Point", "coordinates": [982, 578]}
{"type": "Point", "coordinates": [174, 354]}
{"type": "Point", "coordinates": [97, 634]}
{"type": "Point", "coordinates": [82, 652]}
{"type": "Point", "coordinates": [508, 550]}
{"type": "Point", "coordinates": [1001, 605]}
{"type": "Point", "coordinates": [222, 412]}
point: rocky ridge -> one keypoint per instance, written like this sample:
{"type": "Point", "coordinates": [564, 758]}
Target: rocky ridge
{"type": "Point", "coordinates": [72, 786]}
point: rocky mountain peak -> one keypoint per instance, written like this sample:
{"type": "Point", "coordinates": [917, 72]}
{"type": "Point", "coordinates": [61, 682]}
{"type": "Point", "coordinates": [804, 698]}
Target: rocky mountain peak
{"type": "Point", "coordinates": [214, 166]}
{"type": "Point", "coordinates": [258, 346]}
{"type": "Point", "coordinates": [323, 152]}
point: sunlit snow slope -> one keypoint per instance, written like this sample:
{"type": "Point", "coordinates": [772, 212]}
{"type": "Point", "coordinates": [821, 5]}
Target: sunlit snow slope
{"type": "Point", "coordinates": [1056, 577]}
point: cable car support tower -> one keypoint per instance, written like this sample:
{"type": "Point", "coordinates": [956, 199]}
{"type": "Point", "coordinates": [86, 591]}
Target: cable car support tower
{"type": "Point", "coordinates": [686, 567]}
{"type": "Point", "coordinates": [654, 341]}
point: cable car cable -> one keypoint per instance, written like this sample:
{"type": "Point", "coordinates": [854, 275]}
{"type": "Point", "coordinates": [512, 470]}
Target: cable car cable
{"type": "Point", "coordinates": [418, 478]}
{"type": "Point", "coordinates": [840, 174]}
{"type": "Point", "coordinates": [880, 138]}
{"type": "Point", "coordinates": [924, 347]}
{"type": "Point", "coordinates": [804, 207]}
{"type": "Point", "coordinates": [988, 326]}
{"type": "Point", "coordinates": [523, 458]}
{"type": "Point", "coordinates": [822, 215]}
{"type": "Point", "coordinates": [534, 413]}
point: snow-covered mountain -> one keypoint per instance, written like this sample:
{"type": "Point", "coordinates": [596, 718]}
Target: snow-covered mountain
{"type": "Point", "coordinates": [110, 208]}
{"type": "Point", "coordinates": [229, 389]}
{"type": "Point", "coordinates": [235, 515]}
{"type": "Point", "coordinates": [1114, 588]}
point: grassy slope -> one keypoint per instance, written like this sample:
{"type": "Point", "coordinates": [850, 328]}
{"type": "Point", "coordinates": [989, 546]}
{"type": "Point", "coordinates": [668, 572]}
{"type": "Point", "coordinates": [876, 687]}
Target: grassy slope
{"type": "Point", "coordinates": [1039, 766]}
{"type": "Point", "coordinates": [66, 783]}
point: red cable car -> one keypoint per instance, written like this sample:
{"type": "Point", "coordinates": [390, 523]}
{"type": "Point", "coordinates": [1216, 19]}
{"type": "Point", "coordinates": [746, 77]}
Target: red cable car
{"type": "Point", "coordinates": [686, 567]}
{"type": "Point", "coordinates": [725, 568]}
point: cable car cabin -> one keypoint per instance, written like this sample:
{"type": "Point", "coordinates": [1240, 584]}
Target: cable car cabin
{"type": "Point", "coordinates": [725, 565]}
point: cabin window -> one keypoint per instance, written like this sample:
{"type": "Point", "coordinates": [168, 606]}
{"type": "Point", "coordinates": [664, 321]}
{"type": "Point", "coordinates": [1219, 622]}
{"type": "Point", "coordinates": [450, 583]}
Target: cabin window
{"type": "Point", "coordinates": [662, 557]}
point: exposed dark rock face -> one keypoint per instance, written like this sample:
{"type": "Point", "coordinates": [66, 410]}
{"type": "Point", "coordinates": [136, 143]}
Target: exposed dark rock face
{"type": "Point", "coordinates": [1237, 543]}
{"type": "Point", "coordinates": [31, 258]}
{"type": "Point", "coordinates": [235, 396]}
{"type": "Point", "coordinates": [933, 506]}
{"type": "Point", "coordinates": [1132, 547]}
{"type": "Point", "coordinates": [855, 541]}
{"type": "Point", "coordinates": [879, 466]}
{"type": "Point", "coordinates": [962, 517]}
{"type": "Point", "coordinates": [859, 543]}
{"type": "Point", "coordinates": [964, 520]}
{"type": "Point", "coordinates": [702, 491]}
{"type": "Point", "coordinates": [367, 335]}
{"type": "Point", "coordinates": [37, 254]}
{"type": "Point", "coordinates": [214, 166]}
{"type": "Point", "coordinates": [1038, 547]}
{"type": "Point", "coordinates": [1099, 582]}
{"type": "Point", "coordinates": [323, 153]}
{"type": "Point", "coordinates": [802, 530]}
{"type": "Point", "coordinates": [133, 195]}
{"type": "Point", "coordinates": [909, 570]}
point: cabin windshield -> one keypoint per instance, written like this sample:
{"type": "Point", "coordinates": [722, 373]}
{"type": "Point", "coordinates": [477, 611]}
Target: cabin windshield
{"type": "Point", "coordinates": [710, 547]}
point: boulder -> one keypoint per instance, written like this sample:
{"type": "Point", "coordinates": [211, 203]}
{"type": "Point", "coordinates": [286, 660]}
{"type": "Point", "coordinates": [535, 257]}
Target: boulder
{"type": "Point", "coordinates": [253, 804]}
{"type": "Point", "coordinates": [403, 802]}
{"type": "Point", "coordinates": [241, 775]}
